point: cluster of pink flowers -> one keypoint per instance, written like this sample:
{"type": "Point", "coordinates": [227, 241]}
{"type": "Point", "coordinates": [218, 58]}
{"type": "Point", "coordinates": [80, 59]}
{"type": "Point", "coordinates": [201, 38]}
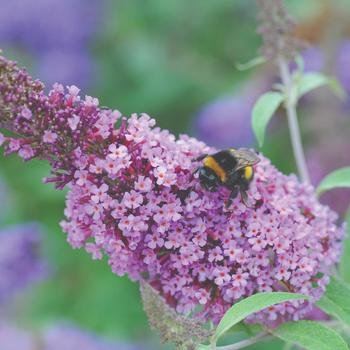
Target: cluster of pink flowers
{"type": "Point", "coordinates": [132, 198]}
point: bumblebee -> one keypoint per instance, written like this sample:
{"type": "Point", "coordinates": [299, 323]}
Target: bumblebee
{"type": "Point", "coordinates": [231, 168]}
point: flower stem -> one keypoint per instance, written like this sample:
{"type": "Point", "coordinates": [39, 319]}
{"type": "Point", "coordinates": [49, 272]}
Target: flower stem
{"type": "Point", "coordinates": [244, 343]}
{"type": "Point", "coordinates": [290, 105]}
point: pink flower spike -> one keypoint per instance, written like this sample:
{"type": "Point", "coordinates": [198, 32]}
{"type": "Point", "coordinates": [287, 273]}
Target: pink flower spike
{"type": "Point", "coordinates": [202, 296]}
{"type": "Point", "coordinates": [99, 193]}
{"type": "Point", "coordinates": [81, 176]}
{"type": "Point", "coordinates": [73, 122]}
{"type": "Point", "coordinates": [26, 113]}
{"type": "Point", "coordinates": [143, 184]}
{"type": "Point", "coordinates": [131, 198]}
{"type": "Point", "coordinates": [26, 152]}
{"type": "Point", "coordinates": [221, 276]}
{"type": "Point", "coordinates": [73, 90]}
{"type": "Point", "coordinates": [49, 137]}
{"type": "Point", "coordinates": [117, 152]}
{"type": "Point", "coordinates": [94, 250]}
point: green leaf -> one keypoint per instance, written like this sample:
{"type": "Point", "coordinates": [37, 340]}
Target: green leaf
{"type": "Point", "coordinates": [345, 259]}
{"type": "Point", "coordinates": [313, 80]}
{"type": "Point", "coordinates": [310, 81]}
{"type": "Point", "coordinates": [337, 88]}
{"type": "Point", "coordinates": [331, 308]}
{"type": "Point", "coordinates": [251, 64]}
{"type": "Point", "coordinates": [300, 63]}
{"type": "Point", "coordinates": [203, 347]}
{"type": "Point", "coordinates": [336, 300]}
{"type": "Point", "coordinates": [250, 305]}
{"type": "Point", "coordinates": [263, 111]}
{"type": "Point", "coordinates": [339, 293]}
{"type": "Point", "coordinates": [336, 179]}
{"type": "Point", "coordinates": [240, 327]}
{"type": "Point", "coordinates": [311, 335]}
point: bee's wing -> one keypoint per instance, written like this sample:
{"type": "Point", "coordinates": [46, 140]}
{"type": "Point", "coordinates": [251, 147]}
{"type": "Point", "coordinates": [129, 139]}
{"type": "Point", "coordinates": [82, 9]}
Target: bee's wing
{"type": "Point", "coordinates": [244, 157]}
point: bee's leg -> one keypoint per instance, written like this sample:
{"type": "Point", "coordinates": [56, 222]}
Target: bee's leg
{"type": "Point", "coordinates": [194, 173]}
{"type": "Point", "coordinates": [244, 197]}
{"type": "Point", "coordinates": [232, 196]}
{"type": "Point", "coordinates": [201, 157]}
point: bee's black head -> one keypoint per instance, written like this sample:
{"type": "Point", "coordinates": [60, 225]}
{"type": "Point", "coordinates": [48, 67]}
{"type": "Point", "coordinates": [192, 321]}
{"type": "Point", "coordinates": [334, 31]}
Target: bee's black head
{"type": "Point", "coordinates": [208, 179]}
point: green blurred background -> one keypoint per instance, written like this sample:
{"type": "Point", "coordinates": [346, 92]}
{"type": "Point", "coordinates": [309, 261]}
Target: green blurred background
{"type": "Point", "coordinates": [170, 59]}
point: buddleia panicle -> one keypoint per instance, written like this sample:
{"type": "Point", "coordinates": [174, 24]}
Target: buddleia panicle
{"type": "Point", "coordinates": [133, 199]}
{"type": "Point", "coordinates": [277, 29]}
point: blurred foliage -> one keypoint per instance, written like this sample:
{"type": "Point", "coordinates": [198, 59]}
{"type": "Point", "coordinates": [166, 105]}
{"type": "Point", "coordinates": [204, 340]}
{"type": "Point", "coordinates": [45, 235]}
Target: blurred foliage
{"type": "Point", "coordinates": [169, 58]}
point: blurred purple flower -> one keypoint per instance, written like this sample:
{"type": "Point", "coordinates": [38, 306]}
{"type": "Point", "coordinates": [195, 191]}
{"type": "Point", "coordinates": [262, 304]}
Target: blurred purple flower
{"type": "Point", "coordinates": [56, 32]}
{"type": "Point", "coordinates": [322, 161]}
{"type": "Point", "coordinates": [225, 122]}
{"type": "Point", "coordinates": [64, 337]}
{"type": "Point", "coordinates": [314, 59]}
{"type": "Point", "coordinates": [68, 66]}
{"type": "Point", "coordinates": [56, 338]}
{"type": "Point", "coordinates": [20, 262]}
{"type": "Point", "coordinates": [12, 338]}
{"type": "Point", "coordinates": [39, 25]}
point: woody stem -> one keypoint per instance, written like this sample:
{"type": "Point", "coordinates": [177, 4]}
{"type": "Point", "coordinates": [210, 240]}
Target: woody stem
{"type": "Point", "coordinates": [290, 106]}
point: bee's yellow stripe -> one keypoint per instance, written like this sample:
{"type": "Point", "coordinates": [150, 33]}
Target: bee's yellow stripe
{"type": "Point", "coordinates": [211, 163]}
{"type": "Point", "coordinates": [248, 172]}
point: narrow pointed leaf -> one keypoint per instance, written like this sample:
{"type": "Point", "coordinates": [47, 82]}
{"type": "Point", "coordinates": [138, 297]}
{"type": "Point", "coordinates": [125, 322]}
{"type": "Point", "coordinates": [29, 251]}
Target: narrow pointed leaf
{"type": "Point", "coordinates": [310, 81]}
{"type": "Point", "coordinates": [203, 347]}
{"type": "Point", "coordinates": [250, 305]}
{"type": "Point", "coordinates": [345, 259]}
{"type": "Point", "coordinates": [263, 111]}
{"type": "Point", "coordinates": [332, 309]}
{"type": "Point", "coordinates": [300, 63]}
{"type": "Point", "coordinates": [335, 301]}
{"type": "Point", "coordinates": [339, 293]}
{"type": "Point", "coordinates": [251, 64]}
{"type": "Point", "coordinates": [337, 88]}
{"type": "Point", "coordinates": [313, 80]}
{"type": "Point", "coordinates": [337, 179]}
{"type": "Point", "coordinates": [311, 336]}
